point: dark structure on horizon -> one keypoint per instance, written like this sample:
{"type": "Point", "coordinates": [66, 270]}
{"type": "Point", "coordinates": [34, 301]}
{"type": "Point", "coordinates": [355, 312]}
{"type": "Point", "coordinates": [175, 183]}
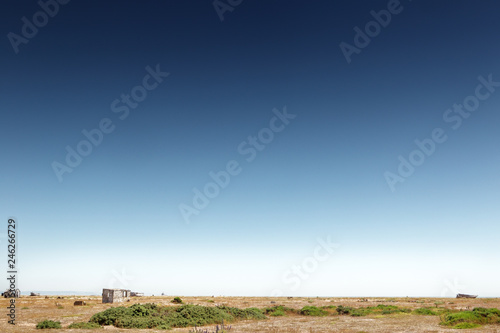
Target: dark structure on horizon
{"type": "Point", "coordinates": [136, 294]}
{"type": "Point", "coordinates": [9, 294]}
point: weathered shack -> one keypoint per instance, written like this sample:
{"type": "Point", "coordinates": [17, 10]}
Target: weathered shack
{"type": "Point", "coordinates": [115, 295]}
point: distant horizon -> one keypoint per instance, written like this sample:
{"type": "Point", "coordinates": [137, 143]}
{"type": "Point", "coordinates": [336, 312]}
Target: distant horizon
{"type": "Point", "coordinates": [88, 293]}
{"type": "Point", "coordinates": [252, 148]}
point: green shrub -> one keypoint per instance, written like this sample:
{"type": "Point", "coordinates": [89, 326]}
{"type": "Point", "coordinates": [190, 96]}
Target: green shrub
{"type": "Point", "coordinates": [424, 312]}
{"type": "Point", "coordinates": [177, 300]}
{"type": "Point", "coordinates": [452, 319]}
{"type": "Point", "coordinates": [278, 310]}
{"type": "Point", "coordinates": [249, 313]}
{"type": "Point", "coordinates": [361, 312]}
{"type": "Point", "coordinates": [84, 325]}
{"type": "Point", "coordinates": [144, 316]}
{"type": "Point", "coordinates": [277, 313]}
{"type": "Point", "coordinates": [365, 311]}
{"type": "Point", "coordinates": [109, 316]}
{"type": "Point", "coordinates": [344, 310]}
{"type": "Point", "coordinates": [139, 322]}
{"type": "Point", "coordinates": [46, 324]}
{"type": "Point", "coordinates": [390, 309]}
{"type": "Point", "coordinates": [487, 312]}
{"type": "Point", "coordinates": [476, 316]}
{"type": "Point", "coordinates": [438, 303]}
{"type": "Point", "coordinates": [313, 311]}
{"type": "Point", "coordinates": [466, 325]}
{"type": "Point", "coordinates": [253, 313]}
{"type": "Point", "coordinates": [163, 327]}
{"type": "Point", "coordinates": [139, 310]}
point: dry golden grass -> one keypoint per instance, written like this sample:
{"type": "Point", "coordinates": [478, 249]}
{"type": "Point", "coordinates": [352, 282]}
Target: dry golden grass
{"type": "Point", "coordinates": [31, 310]}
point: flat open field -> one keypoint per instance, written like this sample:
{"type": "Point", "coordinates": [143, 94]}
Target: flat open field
{"type": "Point", "coordinates": [31, 310]}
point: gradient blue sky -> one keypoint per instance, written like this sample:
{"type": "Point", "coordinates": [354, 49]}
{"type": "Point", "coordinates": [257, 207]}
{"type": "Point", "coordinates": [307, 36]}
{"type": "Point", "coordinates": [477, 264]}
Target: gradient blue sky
{"type": "Point", "coordinates": [322, 176]}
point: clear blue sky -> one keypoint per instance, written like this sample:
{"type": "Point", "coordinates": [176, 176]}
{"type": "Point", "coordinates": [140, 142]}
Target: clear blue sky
{"type": "Point", "coordinates": [322, 175]}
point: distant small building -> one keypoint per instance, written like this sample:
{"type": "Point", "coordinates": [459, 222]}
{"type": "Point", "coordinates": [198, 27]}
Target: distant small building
{"type": "Point", "coordinates": [115, 295]}
{"type": "Point", "coordinates": [136, 294]}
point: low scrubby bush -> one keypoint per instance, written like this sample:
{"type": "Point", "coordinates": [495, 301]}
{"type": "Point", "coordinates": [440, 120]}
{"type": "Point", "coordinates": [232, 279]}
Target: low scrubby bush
{"type": "Point", "coordinates": [466, 325]}
{"type": "Point", "coordinates": [47, 324]}
{"type": "Point", "coordinates": [344, 310]}
{"type": "Point", "coordinates": [390, 309]}
{"type": "Point", "coordinates": [365, 311]}
{"type": "Point", "coordinates": [477, 316]}
{"type": "Point", "coordinates": [313, 311]}
{"type": "Point", "coordinates": [109, 316]}
{"type": "Point", "coordinates": [153, 316]}
{"type": "Point", "coordinates": [84, 325]}
{"type": "Point", "coordinates": [278, 310]}
{"type": "Point", "coordinates": [424, 312]}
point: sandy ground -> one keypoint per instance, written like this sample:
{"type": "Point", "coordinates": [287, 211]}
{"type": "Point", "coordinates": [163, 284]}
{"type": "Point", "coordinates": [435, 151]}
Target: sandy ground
{"type": "Point", "coordinates": [31, 310]}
